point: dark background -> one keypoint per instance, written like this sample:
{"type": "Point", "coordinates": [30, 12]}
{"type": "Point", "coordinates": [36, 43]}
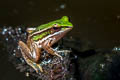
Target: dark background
{"type": "Point", "coordinates": [97, 21]}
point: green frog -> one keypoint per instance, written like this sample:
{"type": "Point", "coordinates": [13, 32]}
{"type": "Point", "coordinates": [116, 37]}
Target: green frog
{"type": "Point", "coordinates": [43, 37]}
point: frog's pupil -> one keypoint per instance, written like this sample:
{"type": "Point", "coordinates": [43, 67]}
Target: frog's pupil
{"type": "Point", "coordinates": [55, 28]}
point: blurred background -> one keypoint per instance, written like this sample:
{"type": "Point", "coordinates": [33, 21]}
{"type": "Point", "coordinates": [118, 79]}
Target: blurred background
{"type": "Point", "coordinates": [97, 21]}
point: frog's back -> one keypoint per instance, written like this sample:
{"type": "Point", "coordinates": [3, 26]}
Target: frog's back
{"type": "Point", "coordinates": [45, 26]}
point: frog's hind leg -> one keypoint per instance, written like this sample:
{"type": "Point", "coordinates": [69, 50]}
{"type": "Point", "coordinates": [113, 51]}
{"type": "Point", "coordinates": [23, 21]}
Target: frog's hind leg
{"type": "Point", "coordinates": [24, 49]}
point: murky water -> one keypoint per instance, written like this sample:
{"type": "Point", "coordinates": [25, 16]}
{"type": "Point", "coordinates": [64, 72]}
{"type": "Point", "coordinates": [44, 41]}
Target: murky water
{"type": "Point", "coordinates": [95, 21]}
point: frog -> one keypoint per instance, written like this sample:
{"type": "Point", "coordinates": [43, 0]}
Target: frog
{"type": "Point", "coordinates": [42, 38]}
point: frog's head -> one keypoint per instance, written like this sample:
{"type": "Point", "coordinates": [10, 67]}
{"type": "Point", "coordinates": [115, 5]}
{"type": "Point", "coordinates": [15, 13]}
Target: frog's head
{"type": "Point", "coordinates": [60, 23]}
{"type": "Point", "coordinates": [63, 23]}
{"type": "Point", "coordinates": [56, 28]}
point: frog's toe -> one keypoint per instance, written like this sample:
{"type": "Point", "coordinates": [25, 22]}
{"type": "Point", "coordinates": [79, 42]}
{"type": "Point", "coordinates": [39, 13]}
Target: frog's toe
{"type": "Point", "coordinates": [58, 55]}
{"type": "Point", "coordinates": [40, 68]}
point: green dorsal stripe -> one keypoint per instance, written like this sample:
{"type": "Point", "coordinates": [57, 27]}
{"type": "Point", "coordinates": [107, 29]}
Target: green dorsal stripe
{"type": "Point", "coordinates": [40, 36]}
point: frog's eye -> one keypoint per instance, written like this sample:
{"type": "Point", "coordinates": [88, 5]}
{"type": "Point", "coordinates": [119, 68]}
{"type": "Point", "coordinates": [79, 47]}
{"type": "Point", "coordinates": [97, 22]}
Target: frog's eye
{"type": "Point", "coordinates": [55, 25]}
{"type": "Point", "coordinates": [55, 28]}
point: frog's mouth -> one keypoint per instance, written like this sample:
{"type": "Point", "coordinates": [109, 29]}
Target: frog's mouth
{"type": "Point", "coordinates": [60, 31]}
{"type": "Point", "coordinates": [58, 35]}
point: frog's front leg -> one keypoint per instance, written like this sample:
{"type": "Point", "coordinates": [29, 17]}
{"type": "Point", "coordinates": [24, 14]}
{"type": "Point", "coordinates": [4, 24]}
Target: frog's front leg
{"type": "Point", "coordinates": [25, 51]}
{"type": "Point", "coordinates": [47, 47]}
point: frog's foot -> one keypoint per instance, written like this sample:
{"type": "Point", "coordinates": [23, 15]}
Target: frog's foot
{"type": "Point", "coordinates": [35, 66]}
{"type": "Point", "coordinates": [55, 53]}
{"type": "Point", "coordinates": [63, 51]}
